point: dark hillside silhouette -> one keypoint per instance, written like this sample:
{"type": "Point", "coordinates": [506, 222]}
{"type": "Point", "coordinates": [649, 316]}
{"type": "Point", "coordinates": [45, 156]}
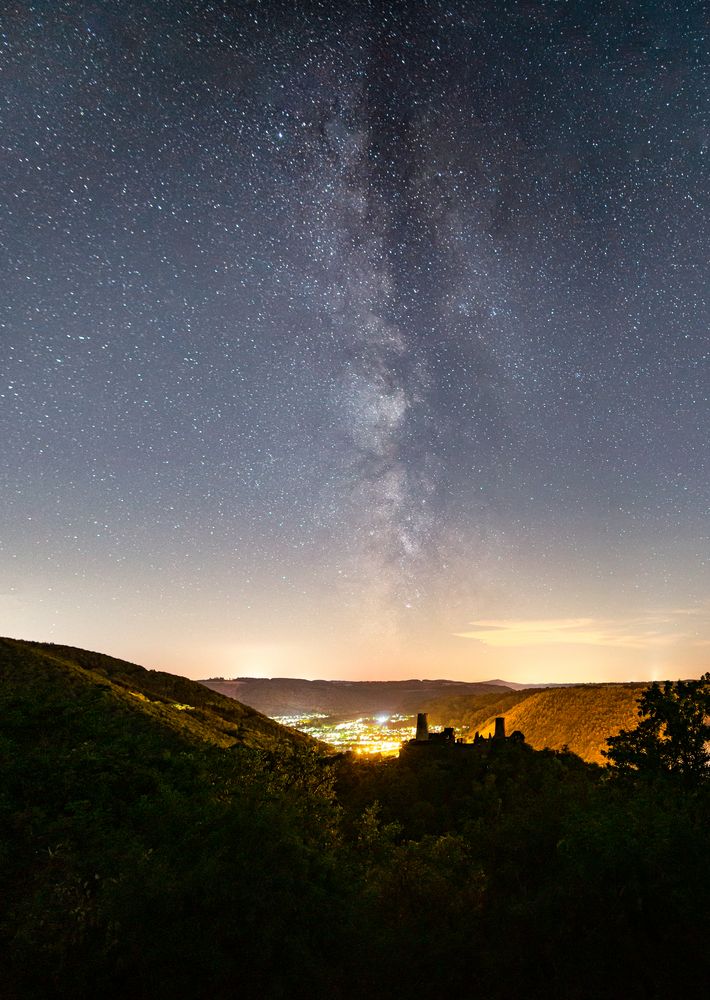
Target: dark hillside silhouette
{"type": "Point", "coordinates": [145, 852]}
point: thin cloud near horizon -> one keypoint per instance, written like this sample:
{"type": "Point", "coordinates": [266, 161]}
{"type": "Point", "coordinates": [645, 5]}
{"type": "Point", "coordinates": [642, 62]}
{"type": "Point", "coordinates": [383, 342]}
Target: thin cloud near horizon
{"type": "Point", "coordinates": [637, 632]}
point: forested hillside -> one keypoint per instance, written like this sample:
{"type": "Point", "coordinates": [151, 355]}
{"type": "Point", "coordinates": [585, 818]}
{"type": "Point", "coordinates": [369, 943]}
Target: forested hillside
{"type": "Point", "coordinates": [580, 717]}
{"type": "Point", "coordinates": [144, 858]}
{"type": "Point", "coordinates": [294, 696]}
{"type": "Point", "coordinates": [175, 703]}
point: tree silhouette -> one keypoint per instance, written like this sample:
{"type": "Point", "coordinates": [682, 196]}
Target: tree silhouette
{"type": "Point", "coordinates": [673, 734]}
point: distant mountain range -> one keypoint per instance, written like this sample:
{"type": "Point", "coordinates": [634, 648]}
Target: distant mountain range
{"type": "Point", "coordinates": [514, 686]}
{"type": "Point", "coordinates": [579, 716]}
{"type": "Point", "coordinates": [280, 696]}
{"type": "Point", "coordinates": [66, 675]}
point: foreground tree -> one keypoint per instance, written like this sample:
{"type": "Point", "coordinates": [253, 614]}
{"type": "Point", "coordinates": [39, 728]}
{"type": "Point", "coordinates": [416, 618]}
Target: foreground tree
{"type": "Point", "coordinates": [673, 735]}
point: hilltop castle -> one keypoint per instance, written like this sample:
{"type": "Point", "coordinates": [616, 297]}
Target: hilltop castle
{"type": "Point", "coordinates": [446, 738]}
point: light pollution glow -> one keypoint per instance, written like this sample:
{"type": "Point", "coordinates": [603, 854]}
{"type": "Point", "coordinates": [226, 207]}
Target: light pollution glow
{"type": "Point", "coordinates": [368, 347]}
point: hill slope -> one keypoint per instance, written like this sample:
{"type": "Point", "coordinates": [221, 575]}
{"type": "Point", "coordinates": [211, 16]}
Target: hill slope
{"type": "Point", "coordinates": [139, 854]}
{"type": "Point", "coordinates": [181, 706]}
{"type": "Point", "coordinates": [581, 717]}
{"type": "Point", "coordinates": [290, 696]}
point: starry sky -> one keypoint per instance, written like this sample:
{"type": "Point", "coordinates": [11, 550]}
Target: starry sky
{"type": "Point", "coordinates": [357, 340]}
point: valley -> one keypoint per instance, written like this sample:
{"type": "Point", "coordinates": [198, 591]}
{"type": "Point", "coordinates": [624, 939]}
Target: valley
{"type": "Point", "coordinates": [374, 717]}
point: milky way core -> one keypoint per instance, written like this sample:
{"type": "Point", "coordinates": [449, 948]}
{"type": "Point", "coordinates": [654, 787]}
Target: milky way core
{"type": "Point", "coordinates": [357, 340]}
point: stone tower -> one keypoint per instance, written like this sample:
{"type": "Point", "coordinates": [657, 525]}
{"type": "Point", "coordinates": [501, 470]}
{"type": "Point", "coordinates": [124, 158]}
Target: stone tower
{"type": "Point", "coordinates": [422, 727]}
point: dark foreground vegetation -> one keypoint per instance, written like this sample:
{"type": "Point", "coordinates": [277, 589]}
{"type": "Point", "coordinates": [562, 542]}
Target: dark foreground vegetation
{"type": "Point", "coordinates": [138, 859]}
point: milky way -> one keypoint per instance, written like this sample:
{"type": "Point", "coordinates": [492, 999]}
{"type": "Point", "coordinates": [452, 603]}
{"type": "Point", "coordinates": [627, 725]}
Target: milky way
{"type": "Point", "coordinates": [357, 339]}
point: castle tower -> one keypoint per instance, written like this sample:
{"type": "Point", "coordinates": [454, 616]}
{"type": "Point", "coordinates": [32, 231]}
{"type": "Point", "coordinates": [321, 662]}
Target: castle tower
{"type": "Point", "coordinates": [422, 726]}
{"type": "Point", "coordinates": [499, 732]}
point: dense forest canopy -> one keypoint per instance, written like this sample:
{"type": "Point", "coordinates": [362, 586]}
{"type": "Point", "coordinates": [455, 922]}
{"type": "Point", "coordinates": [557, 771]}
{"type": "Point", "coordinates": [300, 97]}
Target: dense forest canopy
{"type": "Point", "coordinates": [145, 860]}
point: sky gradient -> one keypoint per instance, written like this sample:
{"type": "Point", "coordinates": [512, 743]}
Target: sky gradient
{"type": "Point", "coordinates": [357, 341]}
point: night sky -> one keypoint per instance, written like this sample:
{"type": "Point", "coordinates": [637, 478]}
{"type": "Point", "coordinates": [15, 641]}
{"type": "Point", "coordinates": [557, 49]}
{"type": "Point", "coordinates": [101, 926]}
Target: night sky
{"type": "Point", "coordinates": [357, 340]}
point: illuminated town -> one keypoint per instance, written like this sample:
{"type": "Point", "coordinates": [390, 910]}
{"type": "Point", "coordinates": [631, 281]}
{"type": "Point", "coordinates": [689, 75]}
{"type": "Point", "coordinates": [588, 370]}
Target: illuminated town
{"type": "Point", "coordinates": [372, 734]}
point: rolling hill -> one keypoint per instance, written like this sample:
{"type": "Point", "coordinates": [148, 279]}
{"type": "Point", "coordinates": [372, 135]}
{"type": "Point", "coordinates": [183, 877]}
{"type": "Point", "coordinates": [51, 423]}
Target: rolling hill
{"type": "Point", "coordinates": [580, 717]}
{"type": "Point", "coordinates": [288, 696]}
{"type": "Point", "coordinates": [55, 674]}
{"type": "Point", "coordinates": [141, 813]}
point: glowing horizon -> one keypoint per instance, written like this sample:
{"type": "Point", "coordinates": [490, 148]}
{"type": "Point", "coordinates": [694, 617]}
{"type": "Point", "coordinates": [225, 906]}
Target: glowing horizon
{"type": "Point", "coordinates": [390, 363]}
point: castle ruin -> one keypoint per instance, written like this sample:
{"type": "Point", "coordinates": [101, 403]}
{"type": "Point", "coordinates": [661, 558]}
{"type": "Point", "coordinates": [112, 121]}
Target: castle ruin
{"type": "Point", "coordinates": [446, 737]}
